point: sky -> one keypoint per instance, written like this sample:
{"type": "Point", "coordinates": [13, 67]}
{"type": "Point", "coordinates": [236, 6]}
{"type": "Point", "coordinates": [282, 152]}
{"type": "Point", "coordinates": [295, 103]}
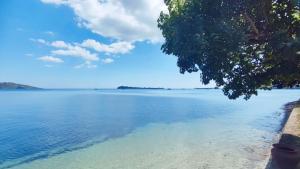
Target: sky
{"type": "Point", "coordinates": [86, 44]}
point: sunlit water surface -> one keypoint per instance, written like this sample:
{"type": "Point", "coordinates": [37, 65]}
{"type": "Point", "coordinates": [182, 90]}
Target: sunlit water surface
{"type": "Point", "coordinates": [138, 129]}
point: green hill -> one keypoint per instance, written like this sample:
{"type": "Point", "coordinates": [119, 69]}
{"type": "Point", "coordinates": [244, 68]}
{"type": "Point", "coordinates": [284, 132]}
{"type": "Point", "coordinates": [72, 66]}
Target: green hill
{"type": "Point", "coordinates": [15, 86]}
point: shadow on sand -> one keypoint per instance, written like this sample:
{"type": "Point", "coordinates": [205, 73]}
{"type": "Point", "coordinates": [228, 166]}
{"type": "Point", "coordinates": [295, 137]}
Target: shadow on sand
{"type": "Point", "coordinates": [289, 137]}
{"type": "Point", "coordinates": [286, 139]}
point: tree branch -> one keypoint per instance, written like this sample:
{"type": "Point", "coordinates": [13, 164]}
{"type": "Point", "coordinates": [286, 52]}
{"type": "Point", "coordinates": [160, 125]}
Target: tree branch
{"type": "Point", "coordinates": [252, 23]}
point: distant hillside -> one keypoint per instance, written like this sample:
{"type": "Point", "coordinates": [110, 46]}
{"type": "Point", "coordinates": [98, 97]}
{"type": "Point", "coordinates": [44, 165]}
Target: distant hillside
{"type": "Point", "coordinates": [207, 88]}
{"type": "Point", "coordinates": [129, 87]}
{"type": "Point", "coordinates": [14, 86]}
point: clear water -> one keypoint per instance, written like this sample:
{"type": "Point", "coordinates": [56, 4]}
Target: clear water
{"type": "Point", "coordinates": [79, 129]}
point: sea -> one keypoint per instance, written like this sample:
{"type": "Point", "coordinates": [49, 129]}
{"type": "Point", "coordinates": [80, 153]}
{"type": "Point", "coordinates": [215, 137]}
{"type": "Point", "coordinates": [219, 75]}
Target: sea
{"type": "Point", "coordinates": [139, 129]}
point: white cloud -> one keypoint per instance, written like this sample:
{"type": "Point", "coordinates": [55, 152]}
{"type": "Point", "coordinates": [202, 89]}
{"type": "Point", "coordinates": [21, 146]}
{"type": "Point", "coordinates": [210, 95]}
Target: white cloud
{"type": "Point", "coordinates": [49, 33]}
{"type": "Point", "coordinates": [41, 41]}
{"type": "Point", "coordinates": [66, 49]}
{"type": "Point", "coordinates": [114, 48]}
{"type": "Point", "coordinates": [81, 50]}
{"type": "Point", "coordinates": [50, 59]}
{"type": "Point", "coordinates": [60, 44]}
{"type": "Point", "coordinates": [107, 60]}
{"type": "Point", "coordinates": [124, 20]}
{"type": "Point", "coordinates": [86, 64]}
{"type": "Point", "coordinates": [76, 51]}
{"type": "Point", "coordinates": [57, 2]}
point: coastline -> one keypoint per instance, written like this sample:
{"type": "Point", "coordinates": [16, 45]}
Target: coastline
{"type": "Point", "coordinates": [290, 129]}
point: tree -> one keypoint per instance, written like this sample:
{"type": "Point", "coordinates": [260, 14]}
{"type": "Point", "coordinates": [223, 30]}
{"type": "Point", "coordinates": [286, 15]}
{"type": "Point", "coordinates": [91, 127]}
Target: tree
{"type": "Point", "coordinates": [241, 45]}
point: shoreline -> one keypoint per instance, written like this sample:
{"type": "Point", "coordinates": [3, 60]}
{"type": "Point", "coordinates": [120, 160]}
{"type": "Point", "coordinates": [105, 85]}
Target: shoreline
{"type": "Point", "coordinates": [289, 129]}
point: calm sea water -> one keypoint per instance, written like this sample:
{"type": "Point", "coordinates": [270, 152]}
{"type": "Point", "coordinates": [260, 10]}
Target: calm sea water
{"type": "Point", "coordinates": [132, 128]}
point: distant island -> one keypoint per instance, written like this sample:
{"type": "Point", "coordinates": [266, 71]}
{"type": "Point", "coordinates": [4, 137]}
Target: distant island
{"type": "Point", "coordinates": [129, 87]}
{"type": "Point", "coordinates": [15, 86]}
{"type": "Point", "coordinates": [207, 88]}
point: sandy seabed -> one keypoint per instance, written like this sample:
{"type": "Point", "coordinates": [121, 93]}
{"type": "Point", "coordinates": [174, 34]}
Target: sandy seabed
{"type": "Point", "coordinates": [188, 145]}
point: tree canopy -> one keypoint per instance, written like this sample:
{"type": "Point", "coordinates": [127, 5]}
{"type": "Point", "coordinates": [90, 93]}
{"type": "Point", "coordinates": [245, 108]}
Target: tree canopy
{"type": "Point", "coordinates": [241, 45]}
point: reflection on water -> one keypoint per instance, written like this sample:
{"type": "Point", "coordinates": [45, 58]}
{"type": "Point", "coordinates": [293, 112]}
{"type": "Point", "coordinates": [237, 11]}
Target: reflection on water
{"type": "Point", "coordinates": [38, 125]}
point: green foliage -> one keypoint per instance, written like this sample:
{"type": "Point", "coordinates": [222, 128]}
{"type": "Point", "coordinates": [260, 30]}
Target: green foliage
{"type": "Point", "coordinates": [242, 45]}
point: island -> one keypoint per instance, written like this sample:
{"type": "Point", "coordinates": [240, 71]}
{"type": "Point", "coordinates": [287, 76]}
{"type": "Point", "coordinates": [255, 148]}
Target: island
{"type": "Point", "coordinates": [206, 88]}
{"type": "Point", "coordinates": [15, 86]}
{"type": "Point", "coordinates": [129, 87]}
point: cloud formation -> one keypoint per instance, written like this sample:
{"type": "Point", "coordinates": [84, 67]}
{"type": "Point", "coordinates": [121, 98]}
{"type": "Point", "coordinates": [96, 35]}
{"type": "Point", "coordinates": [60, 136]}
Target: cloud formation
{"type": "Point", "coordinates": [73, 50]}
{"type": "Point", "coordinates": [87, 64]}
{"type": "Point", "coordinates": [50, 59]}
{"type": "Point", "coordinates": [50, 33]}
{"type": "Point", "coordinates": [60, 44]}
{"type": "Point", "coordinates": [122, 20]}
{"type": "Point", "coordinates": [107, 60]}
{"type": "Point", "coordinates": [114, 48]}
{"type": "Point", "coordinates": [41, 41]}
{"type": "Point", "coordinates": [82, 50]}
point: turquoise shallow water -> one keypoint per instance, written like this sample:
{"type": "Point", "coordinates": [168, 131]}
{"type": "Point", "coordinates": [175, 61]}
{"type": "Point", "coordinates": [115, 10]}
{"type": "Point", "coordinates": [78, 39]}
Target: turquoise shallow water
{"type": "Point", "coordinates": [138, 129]}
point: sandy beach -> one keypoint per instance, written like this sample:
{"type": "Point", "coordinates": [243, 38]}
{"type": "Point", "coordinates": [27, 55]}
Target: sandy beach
{"type": "Point", "coordinates": [291, 131]}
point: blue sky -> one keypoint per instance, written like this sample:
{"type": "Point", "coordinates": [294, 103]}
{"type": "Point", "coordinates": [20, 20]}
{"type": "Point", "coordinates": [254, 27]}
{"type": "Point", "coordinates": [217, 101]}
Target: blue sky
{"type": "Point", "coordinates": [86, 44]}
